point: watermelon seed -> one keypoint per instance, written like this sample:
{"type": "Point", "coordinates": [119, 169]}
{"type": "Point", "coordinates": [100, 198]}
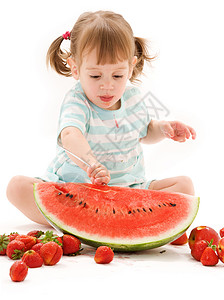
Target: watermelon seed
{"type": "Point", "coordinates": [129, 212]}
{"type": "Point", "coordinates": [138, 210]}
{"type": "Point", "coordinates": [144, 209]}
{"type": "Point", "coordinates": [164, 204]}
{"type": "Point", "coordinates": [59, 193]}
{"type": "Point", "coordinates": [71, 196]}
{"type": "Point", "coordinates": [159, 205]}
{"type": "Point", "coordinates": [163, 251]}
{"type": "Point", "coordinates": [80, 203]}
{"type": "Point", "coordinates": [96, 210]}
{"type": "Point", "coordinates": [113, 211]}
{"type": "Point", "coordinates": [150, 209]}
{"type": "Point", "coordinates": [172, 204]}
{"type": "Point", "coordinates": [67, 194]}
{"type": "Point", "coordinates": [133, 211]}
{"type": "Point", "coordinates": [84, 204]}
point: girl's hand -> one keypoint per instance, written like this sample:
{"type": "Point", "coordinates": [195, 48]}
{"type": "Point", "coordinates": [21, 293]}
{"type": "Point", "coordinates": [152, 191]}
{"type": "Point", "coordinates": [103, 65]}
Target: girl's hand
{"type": "Point", "coordinates": [177, 131]}
{"type": "Point", "coordinates": [98, 174]}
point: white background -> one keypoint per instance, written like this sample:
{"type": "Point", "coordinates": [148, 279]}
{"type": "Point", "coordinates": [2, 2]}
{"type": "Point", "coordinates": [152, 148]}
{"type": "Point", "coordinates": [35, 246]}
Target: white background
{"type": "Point", "coordinates": [187, 77]}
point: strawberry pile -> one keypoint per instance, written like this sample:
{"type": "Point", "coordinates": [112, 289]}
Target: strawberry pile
{"type": "Point", "coordinates": [37, 248]}
{"type": "Point", "coordinates": [205, 244]}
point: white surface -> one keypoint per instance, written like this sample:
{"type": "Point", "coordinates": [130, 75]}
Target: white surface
{"type": "Point", "coordinates": [187, 78]}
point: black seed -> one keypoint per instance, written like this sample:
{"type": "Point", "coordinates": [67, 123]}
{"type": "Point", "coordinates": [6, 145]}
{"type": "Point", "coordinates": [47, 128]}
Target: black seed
{"type": "Point", "coordinates": [67, 194]}
{"type": "Point", "coordinates": [113, 211]}
{"type": "Point", "coordinates": [71, 196]}
{"type": "Point", "coordinates": [159, 205]}
{"type": "Point", "coordinates": [84, 204]}
{"type": "Point", "coordinates": [144, 210]}
{"type": "Point", "coordinates": [80, 203]}
{"type": "Point", "coordinates": [163, 251]}
{"type": "Point", "coordinates": [129, 212]}
{"type": "Point", "coordinates": [133, 211]}
{"type": "Point", "coordinates": [150, 209]}
{"type": "Point", "coordinates": [164, 204]}
{"type": "Point", "coordinates": [96, 210]}
{"type": "Point", "coordinates": [172, 204]}
{"type": "Point", "coordinates": [59, 193]}
{"type": "Point", "coordinates": [138, 210]}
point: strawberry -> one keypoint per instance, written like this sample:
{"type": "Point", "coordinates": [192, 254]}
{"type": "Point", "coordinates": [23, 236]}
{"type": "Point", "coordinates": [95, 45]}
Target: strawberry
{"type": "Point", "coordinates": [181, 240]}
{"type": "Point", "coordinates": [32, 259]}
{"type": "Point", "coordinates": [13, 235]}
{"type": "Point", "coordinates": [37, 247]}
{"type": "Point", "coordinates": [49, 236]}
{"type": "Point", "coordinates": [51, 253]}
{"type": "Point", "coordinates": [15, 249]}
{"type": "Point", "coordinates": [71, 245]}
{"type": "Point", "coordinates": [221, 232]}
{"type": "Point", "coordinates": [198, 249]}
{"type": "Point", "coordinates": [103, 255]}
{"type": "Point", "coordinates": [29, 241]}
{"type": "Point", "coordinates": [209, 256]}
{"type": "Point", "coordinates": [4, 241]}
{"type": "Point", "coordinates": [18, 271]}
{"type": "Point", "coordinates": [35, 233]}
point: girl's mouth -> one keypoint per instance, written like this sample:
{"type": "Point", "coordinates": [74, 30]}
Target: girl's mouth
{"type": "Point", "coordinates": [106, 98]}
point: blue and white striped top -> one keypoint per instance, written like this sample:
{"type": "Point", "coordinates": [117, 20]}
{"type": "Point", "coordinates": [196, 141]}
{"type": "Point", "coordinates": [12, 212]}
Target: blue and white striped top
{"type": "Point", "coordinates": [113, 136]}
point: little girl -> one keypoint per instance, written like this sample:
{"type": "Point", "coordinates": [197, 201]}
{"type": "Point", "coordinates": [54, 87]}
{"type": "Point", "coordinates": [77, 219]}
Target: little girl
{"type": "Point", "coordinates": [103, 121]}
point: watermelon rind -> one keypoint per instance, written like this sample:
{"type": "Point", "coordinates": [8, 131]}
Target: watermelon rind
{"type": "Point", "coordinates": [118, 247]}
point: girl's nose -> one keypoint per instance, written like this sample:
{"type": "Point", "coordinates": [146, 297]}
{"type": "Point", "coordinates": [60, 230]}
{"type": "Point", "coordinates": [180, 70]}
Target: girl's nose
{"type": "Point", "coordinates": [107, 86]}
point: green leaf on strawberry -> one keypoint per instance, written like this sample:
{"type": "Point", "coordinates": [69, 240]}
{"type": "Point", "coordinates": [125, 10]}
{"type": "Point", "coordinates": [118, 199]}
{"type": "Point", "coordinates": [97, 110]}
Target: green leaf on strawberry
{"type": "Point", "coordinates": [17, 254]}
{"type": "Point", "coordinates": [49, 236]}
{"type": "Point", "coordinates": [4, 240]}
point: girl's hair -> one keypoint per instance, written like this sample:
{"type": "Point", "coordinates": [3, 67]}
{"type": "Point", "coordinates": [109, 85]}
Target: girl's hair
{"type": "Point", "coordinates": [106, 31]}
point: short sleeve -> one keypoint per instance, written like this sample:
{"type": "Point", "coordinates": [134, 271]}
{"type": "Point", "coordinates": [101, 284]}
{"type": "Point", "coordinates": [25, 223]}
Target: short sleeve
{"type": "Point", "coordinates": [75, 112]}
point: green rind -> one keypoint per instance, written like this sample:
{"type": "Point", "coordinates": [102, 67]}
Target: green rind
{"type": "Point", "coordinates": [119, 247]}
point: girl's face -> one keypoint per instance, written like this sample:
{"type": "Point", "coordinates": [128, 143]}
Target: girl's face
{"type": "Point", "coordinates": [103, 84]}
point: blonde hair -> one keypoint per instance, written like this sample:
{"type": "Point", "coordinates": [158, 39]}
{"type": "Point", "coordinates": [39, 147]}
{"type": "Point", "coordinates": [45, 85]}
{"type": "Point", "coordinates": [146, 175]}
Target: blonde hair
{"type": "Point", "coordinates": [106, 31]}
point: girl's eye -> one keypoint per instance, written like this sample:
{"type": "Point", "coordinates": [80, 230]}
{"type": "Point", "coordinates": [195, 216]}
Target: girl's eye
{"type": "Point", "coordinates": [118, 76]}
{"type": "Point", "coordinates": [94, 76]}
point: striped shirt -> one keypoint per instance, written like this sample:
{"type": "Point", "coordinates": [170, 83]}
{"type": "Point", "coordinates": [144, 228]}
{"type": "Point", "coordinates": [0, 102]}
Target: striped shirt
{"type": "Point", "coordinates": [113, 136]}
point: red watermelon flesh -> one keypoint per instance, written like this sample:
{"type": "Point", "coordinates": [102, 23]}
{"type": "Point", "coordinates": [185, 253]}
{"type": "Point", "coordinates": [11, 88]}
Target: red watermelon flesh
{"type": "Point", "coordinates": [125, 219]}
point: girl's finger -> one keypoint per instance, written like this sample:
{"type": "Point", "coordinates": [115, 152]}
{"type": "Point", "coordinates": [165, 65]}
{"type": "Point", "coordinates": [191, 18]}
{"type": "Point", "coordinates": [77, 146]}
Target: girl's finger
{"type": "Point", "coordinates": [187, 132]}
{"type": "Point", "coordinates": [193, 132]}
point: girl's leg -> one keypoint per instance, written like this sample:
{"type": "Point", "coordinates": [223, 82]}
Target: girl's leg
{"type": "Point", "coordinates": [20, 194]}
{"type": "Point", "coordinates": [181, 184]}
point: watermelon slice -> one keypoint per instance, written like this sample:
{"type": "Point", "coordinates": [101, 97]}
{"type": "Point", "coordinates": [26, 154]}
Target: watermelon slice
{"type": "Point", "coordinates": [125, 219]}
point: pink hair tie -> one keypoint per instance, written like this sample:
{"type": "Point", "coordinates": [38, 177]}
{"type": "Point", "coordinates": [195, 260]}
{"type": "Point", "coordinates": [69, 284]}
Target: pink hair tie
{"type": "Point", "coordinates": [66, 35]}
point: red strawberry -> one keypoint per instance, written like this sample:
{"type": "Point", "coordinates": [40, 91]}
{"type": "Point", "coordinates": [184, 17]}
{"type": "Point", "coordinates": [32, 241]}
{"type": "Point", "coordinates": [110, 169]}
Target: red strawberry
{"type": "Point", "coordinates": [209, 256]}
{"type": "Point", "coordinates": [37, 247]}
{"type": "Point", "coordinates": [4, 241]}
{"type": "Point", "coordinates": [181, 240]}
{"type": "Point", "coordinates": [32, 259]}
{"type": "Point", "coordinates": [13, 235]}
{"type": "Point", "coordinates": [51, 253]}
{"type": "Point", "coordinates": [35, 233]}
{"type": "Point", "coordinates": [18, 271]}
{"type": "Point", "coordinates": [221, 232]}
{"type": "Point", "coordinates": [49, 236]}
{"type": "Point", "coordinates": [198, 249]}
{"type": "Point", "coordinates": [15, 249]}
{"type": "Point", "coordinates": [103, 255]}
{"type": "Point", "coordinates": [29, 241]}
{"type": "Point", "coordinates": [71, 245]}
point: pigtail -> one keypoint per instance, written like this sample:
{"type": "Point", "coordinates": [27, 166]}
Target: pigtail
{"type": "Point", "coordinates": [57, 59]}
{"type": "Point", "coordinates": [141, 51]}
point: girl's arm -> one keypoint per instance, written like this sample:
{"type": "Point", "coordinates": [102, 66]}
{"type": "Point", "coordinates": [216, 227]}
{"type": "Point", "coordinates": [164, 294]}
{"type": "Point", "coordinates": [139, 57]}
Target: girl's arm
{"type": "Point", "coordinates": [175, 130]}
{"type": "Point", "coordinates": [73, 140]}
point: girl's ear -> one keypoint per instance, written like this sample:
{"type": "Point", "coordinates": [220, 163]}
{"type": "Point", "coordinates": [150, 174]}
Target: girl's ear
{"type": "Point", "coordinates": [134, 61]}
{"type": "Point", "coordinates": [74, 68]}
